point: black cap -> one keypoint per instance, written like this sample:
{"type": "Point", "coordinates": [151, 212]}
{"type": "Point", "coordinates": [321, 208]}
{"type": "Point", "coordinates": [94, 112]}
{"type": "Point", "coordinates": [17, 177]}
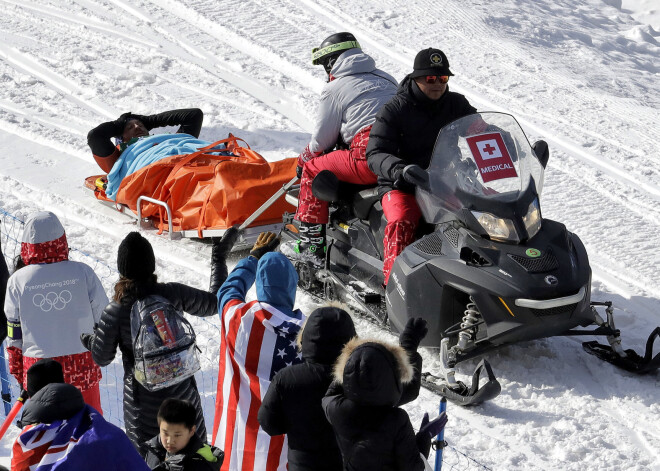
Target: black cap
{"type": "Point", "coordinates": [135, 257]}
{"type": "Point", "coordinates": [42, 373]}
{"type": "Point", "coordinates": [430, 62]}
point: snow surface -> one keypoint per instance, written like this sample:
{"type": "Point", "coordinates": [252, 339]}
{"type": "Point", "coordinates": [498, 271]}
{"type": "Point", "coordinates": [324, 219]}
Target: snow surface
{"type": "Point", "coordinates": [582, 74]}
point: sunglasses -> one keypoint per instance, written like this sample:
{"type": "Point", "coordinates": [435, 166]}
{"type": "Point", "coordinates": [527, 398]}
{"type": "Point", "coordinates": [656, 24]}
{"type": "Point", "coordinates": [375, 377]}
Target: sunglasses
{"type": "Point", "coordinates": [437, 78]}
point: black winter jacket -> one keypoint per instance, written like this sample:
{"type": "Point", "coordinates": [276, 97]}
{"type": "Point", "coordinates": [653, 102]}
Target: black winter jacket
{"type": "Point", "coordinates": [372, 432]}
{"type": "Point", "coordinates": [187, 459]}
{"type": "Point", "coordinates": [292, 404]}
{"type": "Point", "coordinates": [140, 405]}
{"type": "Point", "coordinates": [406, 128]}
{"type": "Point", "coordinates": [55, 401]}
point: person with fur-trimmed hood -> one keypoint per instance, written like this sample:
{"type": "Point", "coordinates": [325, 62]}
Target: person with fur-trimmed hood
{"type": "Point", "coordinates": [373, 433]}
{"type": "Point", "coordinates": [49, 303]}
{"type": "Point", "coordinates": [292, 404]}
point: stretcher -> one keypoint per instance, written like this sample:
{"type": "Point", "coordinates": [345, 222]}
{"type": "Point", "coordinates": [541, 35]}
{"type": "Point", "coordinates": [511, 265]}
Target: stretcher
{"type": "Point", "coordinates": [202, 194]}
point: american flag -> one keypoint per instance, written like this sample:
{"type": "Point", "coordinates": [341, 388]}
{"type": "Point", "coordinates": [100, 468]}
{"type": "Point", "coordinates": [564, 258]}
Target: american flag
{"type": "Point", "coordinates": [257, 341]}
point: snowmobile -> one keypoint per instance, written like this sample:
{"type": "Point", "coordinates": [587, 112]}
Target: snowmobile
{"type": "Point", "coordinates": [487, 270]}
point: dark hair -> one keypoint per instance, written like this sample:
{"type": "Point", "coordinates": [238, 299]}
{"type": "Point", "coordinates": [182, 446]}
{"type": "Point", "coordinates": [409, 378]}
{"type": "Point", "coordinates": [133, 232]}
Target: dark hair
{"type": "Point", "coordinates": [18, 263]}
{"type": "Point", "coordinates": [177, 411]}
{"type": "Point", "coordinates": [127, 290]}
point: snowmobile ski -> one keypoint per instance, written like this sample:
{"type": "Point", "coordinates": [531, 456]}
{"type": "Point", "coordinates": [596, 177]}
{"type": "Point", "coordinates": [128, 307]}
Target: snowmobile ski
{"type": "Point", "coordinates": [629, 360]}
{"type": "Point", "coordinates": [460, 393]}
{"type": "Point", "coordinates": [614, 353]}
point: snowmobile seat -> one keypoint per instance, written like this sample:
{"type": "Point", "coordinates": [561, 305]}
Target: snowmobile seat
{"type": "Point", "coordinates": [364, 200]}
{"type": "Point", "coordinates": [327, 187]}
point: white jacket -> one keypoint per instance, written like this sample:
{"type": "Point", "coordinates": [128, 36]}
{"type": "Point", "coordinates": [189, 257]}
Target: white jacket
{"type": "Point", "coordinates": [48, 306]}
{"type": "Point", "coordinates": [350, 102]}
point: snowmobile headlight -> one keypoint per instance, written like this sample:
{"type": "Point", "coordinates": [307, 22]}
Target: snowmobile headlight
{"type": "Point", "coordinates": [532, 219]}
{"type": "Point", "coordinates": [499, 229]}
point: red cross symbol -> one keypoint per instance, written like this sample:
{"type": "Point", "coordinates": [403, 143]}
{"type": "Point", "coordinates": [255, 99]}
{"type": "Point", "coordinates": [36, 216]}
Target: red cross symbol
{"type": "Point", "coordinates": [490, 149]}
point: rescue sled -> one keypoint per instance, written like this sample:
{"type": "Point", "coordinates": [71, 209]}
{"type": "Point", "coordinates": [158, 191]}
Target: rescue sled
{"type": "Point", "coordinates": [487, 270]}
{"type": "Point", "coordinates": [202, 194]}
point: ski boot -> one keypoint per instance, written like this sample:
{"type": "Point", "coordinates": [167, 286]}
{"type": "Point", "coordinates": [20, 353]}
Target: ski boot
{"type": "Point", "coordinates": [310, 247]}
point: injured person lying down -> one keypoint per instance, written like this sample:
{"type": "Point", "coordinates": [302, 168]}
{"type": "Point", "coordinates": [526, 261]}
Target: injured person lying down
{"type": "Point", "coordinates": [134, 148]}
{"type": "Point", "coordinates": [204, 185]}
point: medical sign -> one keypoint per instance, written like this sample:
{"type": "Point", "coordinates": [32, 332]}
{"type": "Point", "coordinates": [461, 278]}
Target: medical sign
{"type": "Point", "coordinates": [491, 156]}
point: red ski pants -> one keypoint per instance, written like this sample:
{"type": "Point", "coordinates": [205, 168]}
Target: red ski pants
{"type": "Point", "coordinates": [348, 165]}
{"type": "Point", "coordinates": [402, 214]}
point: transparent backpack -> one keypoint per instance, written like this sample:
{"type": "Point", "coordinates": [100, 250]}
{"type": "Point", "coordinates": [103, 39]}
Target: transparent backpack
{"type": "Point", "coordinates": [163, 344]}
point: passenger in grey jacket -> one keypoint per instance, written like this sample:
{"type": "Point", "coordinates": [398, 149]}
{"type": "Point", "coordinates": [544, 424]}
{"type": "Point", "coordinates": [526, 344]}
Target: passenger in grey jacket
{"type": "Point", "coordinates": [355, 91]}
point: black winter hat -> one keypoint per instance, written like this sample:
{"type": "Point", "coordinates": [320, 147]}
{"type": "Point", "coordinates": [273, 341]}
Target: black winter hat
{"type": "Point", "coordinates": [135, 257]}
{"type": "Point", "coordinates": [326, 331]}
{"type": "Point", "coordinates": [42, 373]}
{"type": "Point", "coordinates": [430, 62]}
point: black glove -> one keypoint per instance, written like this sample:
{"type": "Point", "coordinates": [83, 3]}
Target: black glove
{"type": "Point", "coordinates": [416, 175]}
{"type": "Point", "coordinates": [299, 170]}
{"type": "Point", "coordinates": [86, 340]}
{"type": "Point", "coordinates": [266, 242]}
{"type": "Point", "coordinates": [413, 333]}
{"type": "Point", "coordinates": [428, 430]}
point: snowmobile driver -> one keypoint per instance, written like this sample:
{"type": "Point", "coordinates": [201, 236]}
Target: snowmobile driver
{"type": "Point", "coordinates": [355, 91]}
{"type": "Point", "coordinates": [401, 143]}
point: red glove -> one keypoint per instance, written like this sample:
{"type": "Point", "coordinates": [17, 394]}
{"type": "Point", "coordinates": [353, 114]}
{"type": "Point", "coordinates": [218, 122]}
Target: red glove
{"type": "Point", "coordinates": [307, 155]}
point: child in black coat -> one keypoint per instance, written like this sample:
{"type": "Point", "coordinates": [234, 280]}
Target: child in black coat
{"type": "Point", "coordinates": [292, 404]}
{"type": "Point", "coordinates": [177, 448]}
{"type": "Point", "coordinates": [373, 433]}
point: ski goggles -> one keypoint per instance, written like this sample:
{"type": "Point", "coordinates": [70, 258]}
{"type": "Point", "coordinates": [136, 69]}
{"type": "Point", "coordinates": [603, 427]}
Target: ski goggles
{"type": "Point", "coordinates": [437, 78]}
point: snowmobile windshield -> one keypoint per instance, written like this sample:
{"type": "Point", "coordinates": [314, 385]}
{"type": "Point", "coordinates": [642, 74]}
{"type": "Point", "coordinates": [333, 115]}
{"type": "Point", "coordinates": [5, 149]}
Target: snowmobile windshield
{"type": "Point", "coordinates": [480, 162]}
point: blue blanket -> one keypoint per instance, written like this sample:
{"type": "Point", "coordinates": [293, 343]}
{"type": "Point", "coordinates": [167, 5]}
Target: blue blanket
{"type": "Point", "coordinates": [148, 150]}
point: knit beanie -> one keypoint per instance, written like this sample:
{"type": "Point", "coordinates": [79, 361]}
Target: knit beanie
{"type": "Point", "coordinates": [135, 257]}
{"type": "Point", "coordinates": [42, 373]}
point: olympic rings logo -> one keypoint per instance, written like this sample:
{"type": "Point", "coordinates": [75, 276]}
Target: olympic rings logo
{"type": "Point", "coordinates": [52, 300]}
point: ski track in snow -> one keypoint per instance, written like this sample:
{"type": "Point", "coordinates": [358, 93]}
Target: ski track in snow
{"type": "Point", "coordinates": [581, 75]}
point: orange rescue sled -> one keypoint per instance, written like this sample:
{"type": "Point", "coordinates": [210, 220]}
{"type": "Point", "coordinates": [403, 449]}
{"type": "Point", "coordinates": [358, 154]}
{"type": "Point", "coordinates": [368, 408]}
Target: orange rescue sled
{"type": "Point", "coordinates": [202, 194]}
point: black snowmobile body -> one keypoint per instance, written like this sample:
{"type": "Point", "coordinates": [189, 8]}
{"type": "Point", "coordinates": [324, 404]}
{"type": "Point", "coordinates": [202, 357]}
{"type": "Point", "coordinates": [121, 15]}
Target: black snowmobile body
{"type": "Point", "coordinates": [486, 270]}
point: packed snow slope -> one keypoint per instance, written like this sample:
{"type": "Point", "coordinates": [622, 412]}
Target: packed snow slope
{"type": "Point", "coordinates": [582, 74]}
